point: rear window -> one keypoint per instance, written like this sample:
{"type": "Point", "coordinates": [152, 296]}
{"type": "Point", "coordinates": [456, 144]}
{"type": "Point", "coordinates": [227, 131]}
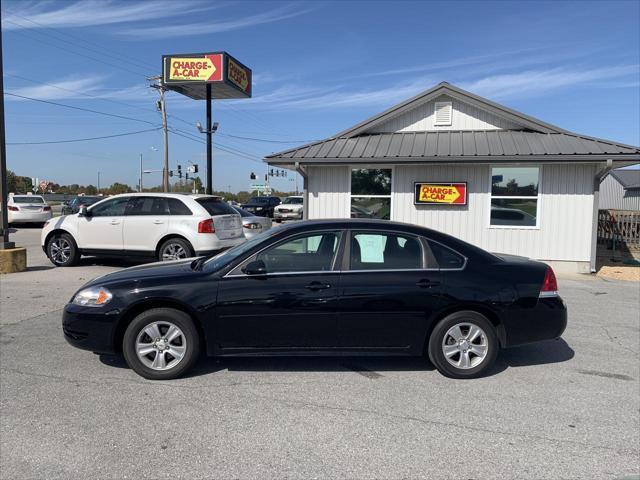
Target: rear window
{"type": "Point", "coordinates": [243, 213]}
{"type": "Point", "coordinates": [446, 258]}
{"type": "Point", "coordinates": [28, 199]}
{"type": "Point", "coordinates": [216, 206]}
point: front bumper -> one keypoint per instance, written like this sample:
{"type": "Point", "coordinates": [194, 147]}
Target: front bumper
{"type": "Point", "coordinates": [546, 321]}
{"type": "Point", "coordinates": [287, 215]}
{"type": "Point", "coordinates": [90, 328]}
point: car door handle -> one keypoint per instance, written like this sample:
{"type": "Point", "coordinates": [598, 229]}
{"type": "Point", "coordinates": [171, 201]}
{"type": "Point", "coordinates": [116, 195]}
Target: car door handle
{"type": "Point", "coordinates": [158, 222]}
{"type": "Point", "coordinates": [317, 286]}
{"type": "Point", "coordinates": [115, 222]}
{"type": "Point", "coordinates": [427, 283]}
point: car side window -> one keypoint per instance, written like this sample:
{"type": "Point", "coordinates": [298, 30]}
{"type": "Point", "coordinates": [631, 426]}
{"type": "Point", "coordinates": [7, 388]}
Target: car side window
{"type": "Point", "coordinates": [446, 258]}
{"type": "Point", "coordinates": [384, 251]}
{"type": "Point", "coordinates": [177, 207]}
{"type": "Point", "coordinates": [110, 208]}
{"type": "Point", "coordinates": [147, 206]}
{"type": "Point", "coordinates": [306, 253]}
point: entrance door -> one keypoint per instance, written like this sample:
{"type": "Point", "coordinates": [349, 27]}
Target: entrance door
{"type": "Point", "coordinates": [291, 306]}
{"type": "Point", "coordinates": [387, 294]}
{"type": "Point", "coordinates": [102, 228]}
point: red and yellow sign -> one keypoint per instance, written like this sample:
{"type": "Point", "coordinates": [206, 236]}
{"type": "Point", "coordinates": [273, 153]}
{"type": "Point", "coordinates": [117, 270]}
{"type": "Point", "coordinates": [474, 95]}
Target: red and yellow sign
{"type": "Point", "coordinates": [239, 75]}
{"type": "Point", "coordinates": [441, 193]}
{"type": "Point", "coordinates": [207, 68]}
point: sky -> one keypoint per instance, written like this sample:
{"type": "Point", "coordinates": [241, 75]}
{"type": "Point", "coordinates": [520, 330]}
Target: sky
{"type": "Point", "coordinates": [318, 68]}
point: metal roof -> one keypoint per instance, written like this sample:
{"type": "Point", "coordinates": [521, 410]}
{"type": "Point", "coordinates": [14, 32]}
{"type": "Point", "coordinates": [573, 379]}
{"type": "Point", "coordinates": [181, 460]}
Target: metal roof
{"type": "Point", "coordinates": [465, 146]}
{"type": "Point", "coordinates": [629, 178]}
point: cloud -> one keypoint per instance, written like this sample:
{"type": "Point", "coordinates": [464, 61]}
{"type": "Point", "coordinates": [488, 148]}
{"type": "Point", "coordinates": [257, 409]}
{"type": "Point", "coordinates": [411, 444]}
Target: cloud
{"type": "Point", "coordinates": [95, 12]}
{"type": "Point", "coordinates": [535, 82]}
{"type": "Point", "coordinates": [216, 26]}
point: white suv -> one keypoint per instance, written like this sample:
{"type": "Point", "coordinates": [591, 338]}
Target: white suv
{"type": "Point", "coordinates": [168, 226]}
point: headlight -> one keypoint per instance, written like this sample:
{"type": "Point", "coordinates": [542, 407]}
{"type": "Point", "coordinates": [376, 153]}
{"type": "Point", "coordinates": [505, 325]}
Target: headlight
{"type": "Point", "coordinates": [93, 297]}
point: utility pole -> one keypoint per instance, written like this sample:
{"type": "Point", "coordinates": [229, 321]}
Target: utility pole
{"type": "Point", "coordinates": [163, 109]}
{"type": "Point", "coordinates": [4, 194]}
{"type": "Point", "coordinates": [98, 181]}
{"type": "Point", "coordinates": [140, 173]}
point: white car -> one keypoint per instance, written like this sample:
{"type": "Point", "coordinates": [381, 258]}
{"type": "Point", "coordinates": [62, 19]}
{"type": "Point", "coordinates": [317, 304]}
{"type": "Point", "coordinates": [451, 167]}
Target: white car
{"type": "Point", "coordinates": [167, 226]}
{"type": "Point", "coordinates": [253, 224]}
{"type": "Point", "coordinates": [291, 208]}
{"type": "Point", "coordinates": [27, 209]}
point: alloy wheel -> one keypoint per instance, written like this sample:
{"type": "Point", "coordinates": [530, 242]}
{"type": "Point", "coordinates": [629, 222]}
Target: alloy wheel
{"type": "Point", "coordinates": [173, 251]}
{"type": "Point", "coordinates": [465, 345]}
{"type": "Point", "coordinates": [161, 345]}
{"type": "Point", "coordinates": [60, 250]}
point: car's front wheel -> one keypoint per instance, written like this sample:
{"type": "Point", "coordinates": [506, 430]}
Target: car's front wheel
{"type": "Point", "coordinates": [463, 345]}
{"type": "Point", "coordinates": [62, 250]}
{"type": "Point", "coordinates": [161, 344]}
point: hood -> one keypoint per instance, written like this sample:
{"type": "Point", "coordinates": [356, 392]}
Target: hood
{"type": "Point", "coordinates": [140, 272]}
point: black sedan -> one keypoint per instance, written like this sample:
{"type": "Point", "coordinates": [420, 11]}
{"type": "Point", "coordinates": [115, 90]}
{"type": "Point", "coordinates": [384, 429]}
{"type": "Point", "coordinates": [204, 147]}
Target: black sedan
{"type": "Point", "coordinates": [335, 287]}
{"type": "Point", "coordinates": [261, 206]}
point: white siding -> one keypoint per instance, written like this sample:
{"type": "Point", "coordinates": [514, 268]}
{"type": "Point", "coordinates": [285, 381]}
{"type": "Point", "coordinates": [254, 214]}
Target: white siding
{"type": "Point", "coordinates": [613, 196]}
{"type": "Point", "coordinates": [565, 208]}
{"type": "Point", "coordinates": [329, 189]}
{"type": "Point", "coordinates": [465, 117]}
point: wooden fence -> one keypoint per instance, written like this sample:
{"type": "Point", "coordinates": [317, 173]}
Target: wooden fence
{"type": "Point", "coordinates": [620, 227]}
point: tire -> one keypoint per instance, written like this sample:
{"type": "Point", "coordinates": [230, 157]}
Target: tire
{"type": "Point", "coordinates": [62, 250]}
{"type": "Point", "coordinates": [464, 358]}
{"type": "Point", "coordinates": [151, 332]}
{"type": "Point", "coordinates": [174, 249]}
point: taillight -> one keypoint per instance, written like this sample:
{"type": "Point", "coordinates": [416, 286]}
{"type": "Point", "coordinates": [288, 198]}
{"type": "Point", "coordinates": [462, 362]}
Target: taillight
{"type": "Point", "coordinates": [252, 226]}
{"type": "Point", "coordinates": [11, 208]}
{"type": "Point", "coordinates": [549, 284]}
{"type": "Point", "coordinates": [206, 226]}
{"type": "Point", "coordinates": [46, 208]}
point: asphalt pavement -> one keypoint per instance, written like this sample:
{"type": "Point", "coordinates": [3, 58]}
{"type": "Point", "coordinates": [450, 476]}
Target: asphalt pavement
{"type": "Point", "coordinates": [567, 408]}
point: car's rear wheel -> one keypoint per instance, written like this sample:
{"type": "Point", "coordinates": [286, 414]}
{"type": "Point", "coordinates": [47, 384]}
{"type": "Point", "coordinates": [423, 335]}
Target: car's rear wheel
{"type": "Point", "coordinates": [175, 249]}
{"type": "Point", "coordinates": [62, 250]}
{"type": "Point", "coordinates": [463, 345]}
{"type": "Point", "coordinates": [161, 344]}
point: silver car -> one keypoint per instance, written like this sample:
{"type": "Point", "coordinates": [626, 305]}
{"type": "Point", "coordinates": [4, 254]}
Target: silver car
{"type": "Point", "coordinates": [251, 224]}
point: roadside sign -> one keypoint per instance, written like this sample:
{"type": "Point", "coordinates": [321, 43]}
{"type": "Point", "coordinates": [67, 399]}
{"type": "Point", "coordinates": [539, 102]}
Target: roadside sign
{"type": "Point", "coordinates": [441, 193]}
{"type": "Point", "coordinates": [190, 73]}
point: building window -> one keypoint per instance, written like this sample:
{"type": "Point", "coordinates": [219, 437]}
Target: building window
{"type": "Point", "coordinates": [514, 196]}
{"type": "Point", "coordinates": [371, 193]}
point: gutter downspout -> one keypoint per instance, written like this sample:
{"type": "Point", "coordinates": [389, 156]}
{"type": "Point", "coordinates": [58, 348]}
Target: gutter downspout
{"type": "Point", "coordinates": [596, 203]}
{"type": "Point", "coordinates": [305, 190]}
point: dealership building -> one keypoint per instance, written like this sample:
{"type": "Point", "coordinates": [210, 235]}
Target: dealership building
{"type": "Point", "coordinates": [458, 163]}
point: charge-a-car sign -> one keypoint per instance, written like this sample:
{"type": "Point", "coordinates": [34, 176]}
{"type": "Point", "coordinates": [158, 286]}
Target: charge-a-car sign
{"type": "Point", "coordinates": [206, 68]}
{"type": "Point", "coordinates": [440, 193]}
{"type": "Point", "coordinates": [239, 75]}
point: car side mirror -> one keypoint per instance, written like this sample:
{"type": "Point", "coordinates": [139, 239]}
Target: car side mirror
{"type": "Point", "coordinates": [83, 212]}
{"type": "Point", "coordinates": [256, 267]}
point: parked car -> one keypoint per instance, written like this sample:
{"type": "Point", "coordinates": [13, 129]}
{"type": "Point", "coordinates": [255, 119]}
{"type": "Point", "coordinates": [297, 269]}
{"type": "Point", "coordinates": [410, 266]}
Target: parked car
{"type": "Point", "coordinates": [73, 205]}
{"type": "Point", "coordinates": [331, 287]}
{"type": "Point", "coordinates": [261, 206]}
{"type": "Point", "coordinates": [252, 225]}
{"type": "Point", "coordinates": [168, 226]}
{"type": "Point", "coordinates": [291, 208]}
{"type": "Point", "coordinates": [27, 209]}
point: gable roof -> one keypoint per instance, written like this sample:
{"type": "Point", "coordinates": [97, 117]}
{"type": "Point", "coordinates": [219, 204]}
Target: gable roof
{"type": "Point", "coordinates": [452, 91]}
{"type": "Point", "coordinates": [629, 178]}
{"type": "Point", "coordinates": [467, 145]}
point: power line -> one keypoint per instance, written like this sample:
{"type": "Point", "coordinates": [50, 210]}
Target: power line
{"type": "Point", "coordinates": [79, 108]}
{"type": "Point", "coordinates": [100, 50]}
{"type": "Point", "coordinates": [265, 139]}
{"type": "Point", "coordinates": [84, 139]}
{"type": "Point", "coordinates": [217, 145]}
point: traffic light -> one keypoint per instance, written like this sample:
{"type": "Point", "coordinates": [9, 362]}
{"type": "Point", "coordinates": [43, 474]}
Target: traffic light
{"type": "Point", "coordinates": [179, 171]}
{"type": "Point", "coordinates": [186, 176]}
{"type": "Point", "coordinates": [171, 173]}
{"type": "Point", "coordinates": [195, 169]}
{"type": "Point", "coordinates": [252, 176]}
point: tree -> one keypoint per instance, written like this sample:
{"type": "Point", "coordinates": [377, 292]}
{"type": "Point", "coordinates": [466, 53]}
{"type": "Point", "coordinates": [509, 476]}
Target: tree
{"type": "Point", "coordinates": [117, 188]}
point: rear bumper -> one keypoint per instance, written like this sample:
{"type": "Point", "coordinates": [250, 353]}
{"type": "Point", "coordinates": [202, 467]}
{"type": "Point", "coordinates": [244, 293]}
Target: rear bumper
{"type": "Point", "coordinates": [17, 217]}
{"type": "Point", "coordinates": [89, 329]}
{"type": "Point", "coordinates": [546, 321]}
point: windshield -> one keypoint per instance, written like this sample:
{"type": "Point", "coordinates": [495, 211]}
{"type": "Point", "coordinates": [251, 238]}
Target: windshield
{"type": "Point", "coordinates": [223, 258]}
{"type": "Point", "coordinates": [293, 201]}
{"type": "Point", "coordinates": [243, 213]}
{"type": "Point", "coordinates": [216, 206]}
{"type": "Point", "coordinates": [28, 199]}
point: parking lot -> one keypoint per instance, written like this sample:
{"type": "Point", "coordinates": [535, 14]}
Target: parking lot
{"type": "Point", "coordinates": [557, 409]}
